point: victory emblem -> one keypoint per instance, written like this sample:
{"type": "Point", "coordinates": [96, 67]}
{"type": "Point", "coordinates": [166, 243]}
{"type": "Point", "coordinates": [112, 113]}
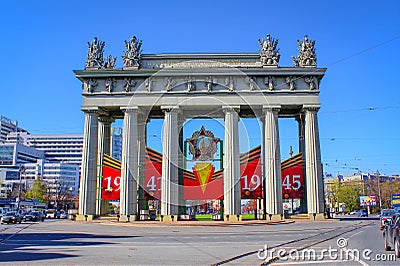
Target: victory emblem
{"type": "Point", "coordinates": [203, 146]}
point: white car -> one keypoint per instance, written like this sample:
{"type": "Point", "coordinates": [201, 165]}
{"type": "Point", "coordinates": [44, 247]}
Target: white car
{"type": "Point", "coordinates": [52, 214]}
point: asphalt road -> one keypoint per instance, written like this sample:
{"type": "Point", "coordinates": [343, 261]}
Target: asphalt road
{"type": "Point", "coordinates": [67, 242]}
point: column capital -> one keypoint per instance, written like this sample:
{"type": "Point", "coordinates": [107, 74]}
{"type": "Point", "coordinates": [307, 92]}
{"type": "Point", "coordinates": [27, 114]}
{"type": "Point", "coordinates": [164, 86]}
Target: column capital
{"type": "Point", "coordinates": [311, 108]}
{"type": "Point", "coordinates": [130, 109]}
{"type": "Point", "coordinates": [94, 110]}
{"type": "Point", "coordinates": [106, 119]}
{"type": "Point", "coordinates": [228, 108]}
{"type": "Point", "coordinates": [168, 109]}
{"type": "Point", "coordinates": [271, 108]}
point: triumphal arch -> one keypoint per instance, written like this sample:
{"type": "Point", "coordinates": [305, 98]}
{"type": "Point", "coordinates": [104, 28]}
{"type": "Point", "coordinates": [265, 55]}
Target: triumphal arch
{"type": "Point", "coordinates": [177, 87]}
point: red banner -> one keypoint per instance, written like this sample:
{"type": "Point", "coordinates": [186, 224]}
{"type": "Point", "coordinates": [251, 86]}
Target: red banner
{"type": "Point", "coordinates": [293, 182]}
{"type": "Point", "coordinates": [250, 183]}
{"type": "Point", "coordinates": [251, 180]}
{"type": "Point", "coordinates": [213, 190]}
{"type": "Point", "coordinates": [110, 184]}
{"type": "Point", "coordinates": [203, 183]}
{"type": "Point", "coordinates": [152, 180]}
{"type": "Point", "coordinates": [199, 186]}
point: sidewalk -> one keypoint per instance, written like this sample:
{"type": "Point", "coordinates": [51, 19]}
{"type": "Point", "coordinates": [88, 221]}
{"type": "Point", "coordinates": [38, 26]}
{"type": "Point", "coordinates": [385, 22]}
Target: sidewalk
{"type": "Point", "coordinates": [114, 221]}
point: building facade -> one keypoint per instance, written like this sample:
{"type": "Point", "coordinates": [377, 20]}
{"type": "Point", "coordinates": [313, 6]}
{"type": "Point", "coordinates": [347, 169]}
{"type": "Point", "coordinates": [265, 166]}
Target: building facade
{"type": "Point", "coordinates": [60, 178]}
{"type": "Point", "coordinates": [65, 148]}
{"type": "Point", "coordinates": [10, 181]}
{"type": "Point", "coordinates": [177, 87]}
{"type": "Point", "coordinates": [7, 126]}
{"type": "Point", "coordinates": [56, 158]}
{"type": "Point", "coordinates": [116, 143]}
{"type": "Point", "coordinates": [16, 154]}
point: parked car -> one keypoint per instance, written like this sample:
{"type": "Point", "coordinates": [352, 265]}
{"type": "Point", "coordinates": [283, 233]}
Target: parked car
{"type": "Point", "coordinates": [39, 216]}
{"type": "Point", "coordinates": [63, 215]}
{"type": "Point", "coordinates": [28, 216]}
{"type": "Point", "coordinates": [386, 215]}
{"type": "Point", "coordinates": [34, 217]}
{"type": "Point", "coordinates": [391, 234]}
{"type": "Point", "coordinates": [362, 213]}
{"type": "Point", "coordinates": [11, 217]}
{"type": "Point", "coordinates": [52, 214]}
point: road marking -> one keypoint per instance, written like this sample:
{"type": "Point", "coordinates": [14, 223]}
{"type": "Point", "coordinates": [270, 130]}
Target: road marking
{"type": "Point", "coordinates": [353, 258]}
{"type": "Point", "coordinates": [356, 233]}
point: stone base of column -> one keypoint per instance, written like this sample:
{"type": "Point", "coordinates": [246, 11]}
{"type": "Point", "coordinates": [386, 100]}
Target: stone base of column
{"type": "Point", "coordinates": [105, 207]}
{"type": "Point", "coordinates": [127, 218]}
{"type": "Point", "coordinates": [274, 217]}
{"type": "Point", "coordinates": [85, 217]}
{"type": "Point", "coordinates": [316, 216]}
{"type": "Point", "coordinates": [169, 218]}
{"type": "Point", "coordinates": [232, 217]}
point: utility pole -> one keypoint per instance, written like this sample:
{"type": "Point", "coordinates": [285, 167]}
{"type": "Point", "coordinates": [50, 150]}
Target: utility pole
{"type": "Point", "coordinates": [21, 170]}
{"type": "Point", "coordinates": [379, 188]}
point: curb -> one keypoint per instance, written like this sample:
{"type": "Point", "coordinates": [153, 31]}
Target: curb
{"type": "Point", "coordinates": [186, 223]}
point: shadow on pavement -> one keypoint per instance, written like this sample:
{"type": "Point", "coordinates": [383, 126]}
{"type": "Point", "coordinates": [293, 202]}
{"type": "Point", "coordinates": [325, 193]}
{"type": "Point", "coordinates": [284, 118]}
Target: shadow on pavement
{"type": "Point", "coordinates": [30, 247]}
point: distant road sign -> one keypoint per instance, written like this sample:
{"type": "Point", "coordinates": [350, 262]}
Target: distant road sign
{"type": "Point", "coordinates": [395, 200]}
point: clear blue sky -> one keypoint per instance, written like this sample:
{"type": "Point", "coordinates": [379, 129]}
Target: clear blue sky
{"type": "Point", "coordinates": [358, 41]}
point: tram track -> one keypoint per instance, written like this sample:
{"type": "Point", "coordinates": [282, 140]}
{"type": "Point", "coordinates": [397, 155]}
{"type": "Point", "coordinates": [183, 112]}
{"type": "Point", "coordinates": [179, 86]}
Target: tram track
{"type": "Point", "coordinates": [3, 229]}
{"type": "Point", "coordinates": [312, 241]}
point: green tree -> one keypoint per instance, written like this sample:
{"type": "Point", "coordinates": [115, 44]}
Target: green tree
{"type": "Point", "coordinates": [37, 191]}
{"type": "Point", "coordinates": [349, 194]}
{"type": "Point", "coordinates": [332, 192]}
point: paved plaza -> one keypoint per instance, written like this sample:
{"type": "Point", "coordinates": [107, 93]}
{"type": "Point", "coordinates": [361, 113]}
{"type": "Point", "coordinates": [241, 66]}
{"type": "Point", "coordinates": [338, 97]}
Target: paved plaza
{"type": "Point", "coordinates": [107, 242]}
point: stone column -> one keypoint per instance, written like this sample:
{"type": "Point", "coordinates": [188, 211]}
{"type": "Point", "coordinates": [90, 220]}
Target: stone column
{"type": "Point", "coordinates": [264, 185]}
{"type": "Point", "coordinates": [169, 178]}
{"type": "Point", "coordinates": [142, 143]}
{"type": "Point", "coordinates": [104, 145]}
{"type": "Point", "coordinates": [232, 194]}
{"type": "Point", "coordinates": [87, 191]}
{"type": "Point", "coordinates": [129, 165]}
{"type": "Point", "coordinates": [301, 123]}
{"type": "Point", "coordinates": [182, 202]}
{"type": "Point", "coordinates": [314, 182]}
{"type": "Point", "coordinates": [272, 164]}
